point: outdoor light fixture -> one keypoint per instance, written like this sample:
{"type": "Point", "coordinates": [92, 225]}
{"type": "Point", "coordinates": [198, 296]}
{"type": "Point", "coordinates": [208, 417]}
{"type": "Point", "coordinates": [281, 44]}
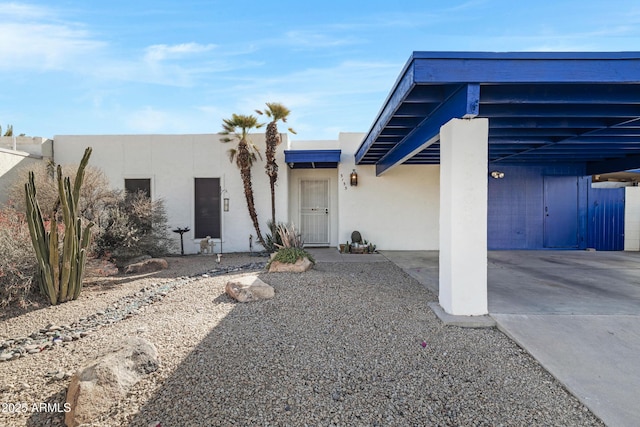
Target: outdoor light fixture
{"type": "Point", "coordinates": [497, 174]}
{"type": "Point", "coordinates": [226, 204]}
{"type": "Point", "coordinates": [353, 179]}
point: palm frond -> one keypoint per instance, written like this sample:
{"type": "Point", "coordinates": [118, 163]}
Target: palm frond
{"type": "Point", "coordinates": [232, 152]}
{"type": "Point", "coordinates": [254, 149]}
{"type": "Point", "coordinates": [277, 111]}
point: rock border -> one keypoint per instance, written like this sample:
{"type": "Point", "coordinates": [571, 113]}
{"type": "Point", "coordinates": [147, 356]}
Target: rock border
{"type": "Point", "coordinates": [51, 335]}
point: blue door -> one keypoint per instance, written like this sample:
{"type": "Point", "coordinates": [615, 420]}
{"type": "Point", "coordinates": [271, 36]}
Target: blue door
{"type": "Point", "coordinates": [560, 212]}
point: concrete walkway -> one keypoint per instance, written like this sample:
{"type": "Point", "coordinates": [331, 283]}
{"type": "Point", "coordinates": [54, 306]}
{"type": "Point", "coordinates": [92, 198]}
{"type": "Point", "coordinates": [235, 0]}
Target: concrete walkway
{"type": "Point", "coordinates": [576, 312]}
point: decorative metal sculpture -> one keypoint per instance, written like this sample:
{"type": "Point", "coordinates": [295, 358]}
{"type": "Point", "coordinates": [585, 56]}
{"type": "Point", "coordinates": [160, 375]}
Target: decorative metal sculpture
{"type": "Point", "coordinates": [181, 231]}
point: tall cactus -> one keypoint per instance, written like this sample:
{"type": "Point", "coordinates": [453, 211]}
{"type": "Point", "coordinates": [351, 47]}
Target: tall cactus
{"type": "Point", "coordinates": [61, 269]}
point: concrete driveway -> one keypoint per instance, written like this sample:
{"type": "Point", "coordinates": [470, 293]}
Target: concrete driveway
{"type": "Point", "coordinates": [576, 312]}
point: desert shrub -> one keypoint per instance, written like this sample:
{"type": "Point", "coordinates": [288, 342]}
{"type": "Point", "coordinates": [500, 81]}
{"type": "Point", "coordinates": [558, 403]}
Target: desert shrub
{"type": "Point", "coordinates": [134, 226]}
{"type": "Point", "coordinates": [291, 255]}
{"type": "Point", "coordinates": [17, 264]}
{"type": "Point", "coordinates": [96, 194]}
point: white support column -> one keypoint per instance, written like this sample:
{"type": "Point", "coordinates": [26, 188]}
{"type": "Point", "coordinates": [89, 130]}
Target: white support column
{"type": "Point", "coordinates": [463, 216]}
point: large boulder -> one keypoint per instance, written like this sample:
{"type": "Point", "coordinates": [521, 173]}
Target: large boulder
{"type": "Point", "coordinates": [249, 288]}
{"type": "Point", "coordinates": [302, 264]}
{"type": "Point", "coordinates": [95, 387]}
{"type": "Point", "coordinates": [147, 266]}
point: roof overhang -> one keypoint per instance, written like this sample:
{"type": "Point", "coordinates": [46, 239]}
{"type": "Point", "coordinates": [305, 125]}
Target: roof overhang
{"type": "Point", "coordinates": [312, 159]}
{"type": "Point", "coordinates": [542, 107]}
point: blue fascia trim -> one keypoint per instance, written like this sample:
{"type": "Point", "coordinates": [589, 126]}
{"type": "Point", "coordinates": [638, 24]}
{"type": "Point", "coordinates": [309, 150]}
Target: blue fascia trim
{"type": "Point", "coordinates": [394, 100]}
{"type": "Point", "coordinates": [312, 156]}
{"type": "Point", "coordinates": [528, 68]}
{"type": "Point", "coordinates": [463, 103]}
{"type": "Point", "coordinates": [523, 55]}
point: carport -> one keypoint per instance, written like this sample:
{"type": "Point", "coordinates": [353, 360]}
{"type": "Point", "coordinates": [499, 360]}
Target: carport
{"type": "Point", "coordinates": [474, 113]}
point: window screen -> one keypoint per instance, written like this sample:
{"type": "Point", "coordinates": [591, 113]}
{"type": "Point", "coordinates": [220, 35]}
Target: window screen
{"type": "Point", "coordinates": [207, 207]}
{"type": "Point", "coordinates": [132, 186]}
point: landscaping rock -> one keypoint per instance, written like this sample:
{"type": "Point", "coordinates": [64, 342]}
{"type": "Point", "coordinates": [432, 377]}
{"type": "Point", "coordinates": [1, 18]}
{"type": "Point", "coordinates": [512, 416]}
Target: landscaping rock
{"type": "Point", "coordinates": [95, 387]}
{"type": "Point", "coordinates": [249, 288]}
{"type": "Point", "coordinates": [126, 307]}
{"type": "Point", "coordinates": [303, 264]}
{"type": "Point", "coordinates": [147, 266]}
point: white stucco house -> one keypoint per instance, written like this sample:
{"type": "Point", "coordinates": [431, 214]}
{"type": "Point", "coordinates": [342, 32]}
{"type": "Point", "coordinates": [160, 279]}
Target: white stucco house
{"type": "Point", "coordinates": [315, 195]}
{"type": "Point", "coordinates": [471, 151]}
{"type": "Point", "coordinates": [194, 177]}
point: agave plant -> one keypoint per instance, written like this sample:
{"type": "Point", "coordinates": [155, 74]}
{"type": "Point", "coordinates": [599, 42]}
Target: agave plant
{"type": "Point", "coordinates": [289, 237]}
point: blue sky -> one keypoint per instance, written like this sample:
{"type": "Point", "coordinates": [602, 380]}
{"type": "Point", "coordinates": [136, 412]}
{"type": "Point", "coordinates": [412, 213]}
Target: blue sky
{"type": "Point", "coordinates": [139, 66]}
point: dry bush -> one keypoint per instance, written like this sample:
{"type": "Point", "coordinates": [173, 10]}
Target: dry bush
{"type": "Point", "coordinates": [135, 226]}
{"type": "Point", "coordinates": [18, 265]}
{"type": "Point", "coordinates": [95, 194]}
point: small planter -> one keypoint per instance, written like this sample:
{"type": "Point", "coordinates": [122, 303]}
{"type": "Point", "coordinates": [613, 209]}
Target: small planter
{"type": "Point", "coordinates": [342, 246]}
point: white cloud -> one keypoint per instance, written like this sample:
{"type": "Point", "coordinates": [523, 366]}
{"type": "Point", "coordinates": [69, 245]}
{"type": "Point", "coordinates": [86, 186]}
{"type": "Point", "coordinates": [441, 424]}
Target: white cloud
{"type": "Point", "coordinates": [158, 120]}
{"type": "Point", "coordinates": [149, 120]}
{"type": "Point", "coordinates": [20, 11]}
{"type": "Point", "coordinates": [34, 38]}
{"type": "Point", "coordinates": [316, 39]}
{"type": "Point", "coordinates": [161, 52]}
{"type": "Point", "coordinates": [42, 46]}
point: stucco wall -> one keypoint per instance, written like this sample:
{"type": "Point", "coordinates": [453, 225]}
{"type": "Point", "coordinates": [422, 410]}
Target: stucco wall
{"type": "Point", "coordinates": [28, 154]}
{"type": "Point", "coordinates": [11, 163]}
{"type": "Point", "coordinates": [172, 162]}
{"type": "Point", "coordinates": [632, 219]}
{"type": "Point", "coordinates": [396, 211]}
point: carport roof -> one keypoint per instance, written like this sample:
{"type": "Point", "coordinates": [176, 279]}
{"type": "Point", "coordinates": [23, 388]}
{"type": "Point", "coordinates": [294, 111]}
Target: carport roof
{"type": "Point", "coordinates": [542, 107]}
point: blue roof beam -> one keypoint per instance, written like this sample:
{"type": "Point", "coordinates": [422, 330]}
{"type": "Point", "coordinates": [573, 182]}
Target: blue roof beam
{"type": "Point", "coordinates": [550, 123]}
{"type": "Point", "coordinates": [625, 111]}
{"type": "Point", "coordinates": [462, 103]}
{"type": "Point", "coordinates": [561, 94]}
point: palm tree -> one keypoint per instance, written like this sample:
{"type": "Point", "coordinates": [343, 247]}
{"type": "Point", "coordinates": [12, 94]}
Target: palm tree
{"type": "Point", "coordinates": [245, 154]}
{"type": "Point", "coordinates": [276, 112]}
{"type": "Point", "coordinates": [9, 131]}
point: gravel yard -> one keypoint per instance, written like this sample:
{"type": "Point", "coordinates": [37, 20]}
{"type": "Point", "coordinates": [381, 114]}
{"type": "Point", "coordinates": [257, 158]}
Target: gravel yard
{"type": "Point", "coordinates": [344, 344]}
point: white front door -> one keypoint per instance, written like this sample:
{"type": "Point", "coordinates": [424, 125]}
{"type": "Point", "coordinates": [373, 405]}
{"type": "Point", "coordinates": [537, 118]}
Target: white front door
{"type": "Point", "coordinates": [314, 211]}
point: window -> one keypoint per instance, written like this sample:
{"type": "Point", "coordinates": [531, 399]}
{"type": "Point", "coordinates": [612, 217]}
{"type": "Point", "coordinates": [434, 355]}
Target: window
{"type": "Point", "coordinates": [133, 186]}
{"type": "Point", "coordinates": [207, 207]}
